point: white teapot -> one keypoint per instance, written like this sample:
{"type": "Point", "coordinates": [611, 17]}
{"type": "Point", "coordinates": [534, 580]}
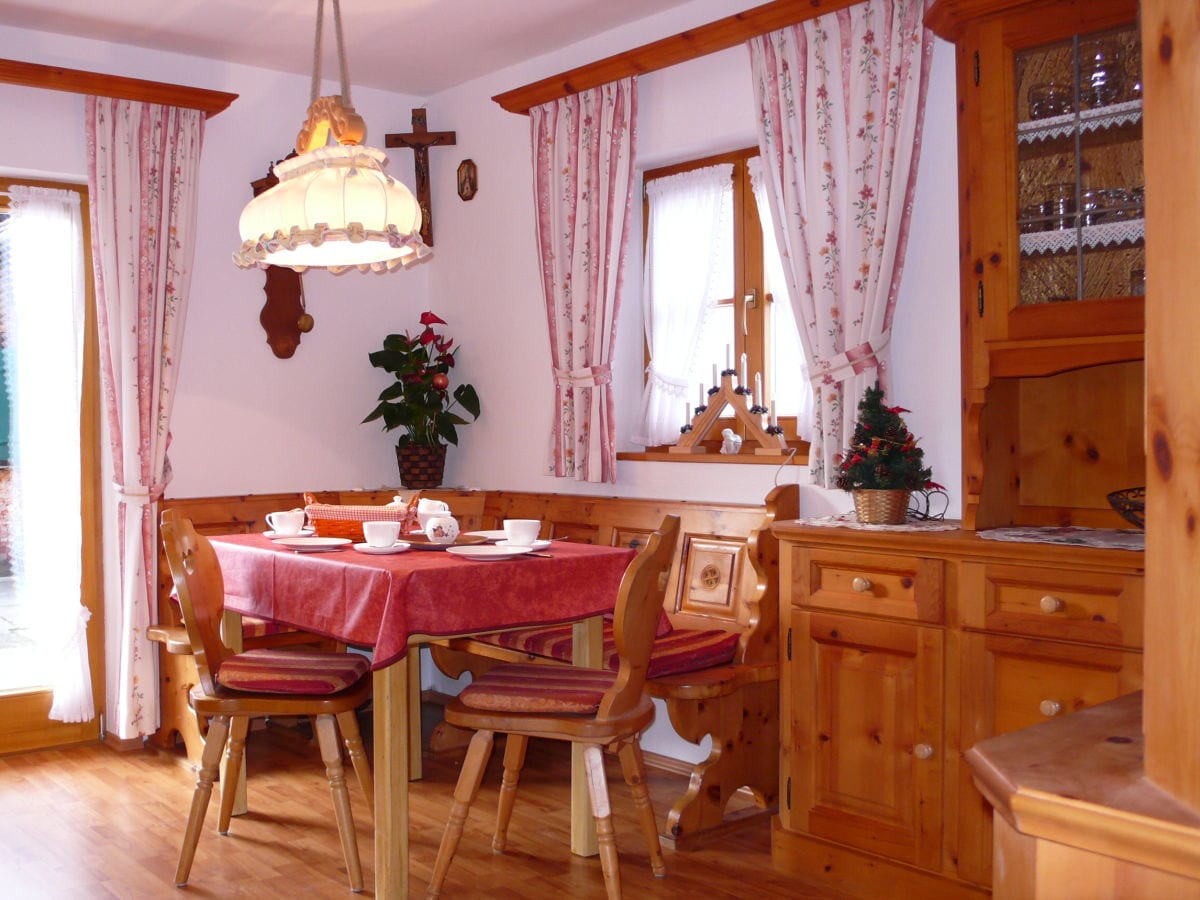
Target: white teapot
{"type": "Point", "coordinates": [441, 529]}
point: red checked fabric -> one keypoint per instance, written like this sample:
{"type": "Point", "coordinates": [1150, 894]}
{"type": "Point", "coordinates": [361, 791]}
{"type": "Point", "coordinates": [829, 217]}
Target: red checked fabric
{"type": "Point", "coordinates": [682, 650]}
{"type": "Point", "coordinates": [528, 687]}
{"type": "Point", "coordinates": [356, 513]}
{"type": "Point", "coordinates": [283, 672]}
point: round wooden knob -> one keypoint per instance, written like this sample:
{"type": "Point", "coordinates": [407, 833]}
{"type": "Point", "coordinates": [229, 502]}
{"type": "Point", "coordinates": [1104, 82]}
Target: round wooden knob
{"type": "Point", "coordinates": [1051, 604]}
{"type": "Point", "coordinates": [861, 584]}
{"type": "Point", "coordinates": [922, 751]}
{"type": "Point", "coordinates": [1050, 708]}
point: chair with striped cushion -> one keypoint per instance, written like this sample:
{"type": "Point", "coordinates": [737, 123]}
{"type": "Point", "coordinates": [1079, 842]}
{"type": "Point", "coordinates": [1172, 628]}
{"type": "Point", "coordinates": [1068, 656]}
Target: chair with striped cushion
{"type": "Point", "coordinates": [599, 708]}
{"type": "Point", "coordinates": [235, 687]}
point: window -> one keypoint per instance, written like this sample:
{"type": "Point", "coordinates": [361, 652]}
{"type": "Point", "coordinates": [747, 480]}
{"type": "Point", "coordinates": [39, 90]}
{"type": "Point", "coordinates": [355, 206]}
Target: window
{"type": "Point", "coordinates": [742, 303]}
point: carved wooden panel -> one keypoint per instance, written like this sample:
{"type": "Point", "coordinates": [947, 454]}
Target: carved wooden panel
{"type": "Point", "coordinates": [634, 538]}
{"type": "Point", "coordinates": [711, 571]}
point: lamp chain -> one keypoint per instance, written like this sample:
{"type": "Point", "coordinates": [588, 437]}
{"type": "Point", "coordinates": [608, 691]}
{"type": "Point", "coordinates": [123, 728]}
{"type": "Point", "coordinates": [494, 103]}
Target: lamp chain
{"type": "Point", "coordinates": [343, 71]}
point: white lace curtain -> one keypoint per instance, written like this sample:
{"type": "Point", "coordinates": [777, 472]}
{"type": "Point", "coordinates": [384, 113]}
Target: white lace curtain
{"type": "Point", "coordinates": [687, 237]}
{"type": "Point", "coordinates": [841, 99]}
{"type": "Point", "coordinates": [42, 304]}
{"type": "Point", "coordinates": [143, 174]}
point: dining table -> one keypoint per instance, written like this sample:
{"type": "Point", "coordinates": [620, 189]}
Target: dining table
{"type": "Point", "coordinates": [390, 603]}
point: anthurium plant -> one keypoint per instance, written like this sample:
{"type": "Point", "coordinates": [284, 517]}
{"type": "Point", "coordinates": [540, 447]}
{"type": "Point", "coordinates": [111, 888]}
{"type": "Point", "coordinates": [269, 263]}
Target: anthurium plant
{"type": "Point", "coordinates": [883, 453]}
{"type": "Point", "coordinates": [419, 400]}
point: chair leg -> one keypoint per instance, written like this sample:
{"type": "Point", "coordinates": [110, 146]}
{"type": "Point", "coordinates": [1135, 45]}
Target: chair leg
{"type": "Point", "coordinates": [348, 723]}
{"type": "Point", "coordinates": [234, 758]}
{"type": "Point", "coordinates": [634, 767]}
{"type": "Point", "coordinates": [514, 760]}
{"type": "Point", "coordinates": [327, 739]}
{"type": "Point", "coordinates": [210, 762]}
{"type": "Point", "coordinates": [597, 783]}
{"type": "Point", "coordinates": [465, 793]}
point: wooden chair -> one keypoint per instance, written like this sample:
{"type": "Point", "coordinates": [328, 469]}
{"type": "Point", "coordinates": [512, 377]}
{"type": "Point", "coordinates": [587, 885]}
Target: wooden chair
{"type": "Point", "coordinates": [235, 687]}
{"type": "Point", "coordinates": [596, 707]}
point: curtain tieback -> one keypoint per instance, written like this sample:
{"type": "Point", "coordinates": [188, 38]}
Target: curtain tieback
{"type": "Point", "coordinates": [855, 361]}
{"type": "Point", "coordinates": [139, 494]}
{"type": "Point", "coordinates": [588, 376]}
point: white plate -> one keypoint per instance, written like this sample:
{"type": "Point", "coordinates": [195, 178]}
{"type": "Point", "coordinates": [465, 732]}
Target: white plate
{"type": "Point", "coordinates": [487, 552]}
{"type": "Point", "coordinates": [490, 536]}
{"type": "Point", "coordinates": [312, 544]}
{"type": "Point", "coordinates": [398, 547]}
{"type": "Point", "coordinates": [537, 545]}
{"type": "Point", "coordinates": [303, 532]}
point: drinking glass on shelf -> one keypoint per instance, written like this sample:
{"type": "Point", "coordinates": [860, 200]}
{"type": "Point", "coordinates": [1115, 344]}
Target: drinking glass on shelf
{"type": "Point", "coordinates": [1049, 100]}
{"type": "Point", "coordinates": [1060, 207]}
{"type": "Point", "coordinates": [1100, 74]}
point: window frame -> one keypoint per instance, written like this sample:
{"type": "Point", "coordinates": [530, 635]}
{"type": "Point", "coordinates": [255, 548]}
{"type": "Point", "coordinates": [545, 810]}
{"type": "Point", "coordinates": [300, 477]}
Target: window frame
{"type": "Point", "coordinates": [751, 306]}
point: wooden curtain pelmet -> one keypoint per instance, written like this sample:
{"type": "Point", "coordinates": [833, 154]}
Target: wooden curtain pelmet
{"type": "Point", "coordinates": [77, 81]}
{"type": "Point", "coordinates": [696, 42]}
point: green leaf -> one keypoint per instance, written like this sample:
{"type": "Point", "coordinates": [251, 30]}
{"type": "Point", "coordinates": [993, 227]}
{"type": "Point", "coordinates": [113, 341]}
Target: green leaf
{"type": "Point", "coordinates": [465, 394]}
{"type": "Point", "coordinates": [445, 429]}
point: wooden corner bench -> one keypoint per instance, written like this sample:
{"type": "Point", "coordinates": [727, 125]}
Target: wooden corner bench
{"type": "Point", "coordinates": [724, 578]}
{"type": "Point", "coordinates": [723, 591]}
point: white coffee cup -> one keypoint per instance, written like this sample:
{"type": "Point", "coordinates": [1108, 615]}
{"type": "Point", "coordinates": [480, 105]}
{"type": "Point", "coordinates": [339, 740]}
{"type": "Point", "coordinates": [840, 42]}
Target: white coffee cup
{"type": "Point", "coordinates": [381, 534]}
{"type": "Point", "coordinates": [521, 532]}
{"type": "Point", "coordinates": [289, 521]}
{"type": "Point", "coordinates": [442, 529]}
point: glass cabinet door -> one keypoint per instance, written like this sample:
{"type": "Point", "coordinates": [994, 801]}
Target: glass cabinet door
{"type": "Point", "coordinates": [1080, 221]}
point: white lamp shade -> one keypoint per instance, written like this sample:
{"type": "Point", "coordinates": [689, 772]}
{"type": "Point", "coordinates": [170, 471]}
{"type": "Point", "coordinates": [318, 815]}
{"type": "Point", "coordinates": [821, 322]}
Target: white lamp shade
{"type": "Point", "coordinates": [334, 208]}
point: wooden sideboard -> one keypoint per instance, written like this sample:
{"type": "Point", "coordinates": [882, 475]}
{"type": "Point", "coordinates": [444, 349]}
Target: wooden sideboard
{"type": "Point", "coordinates": [900, 651]}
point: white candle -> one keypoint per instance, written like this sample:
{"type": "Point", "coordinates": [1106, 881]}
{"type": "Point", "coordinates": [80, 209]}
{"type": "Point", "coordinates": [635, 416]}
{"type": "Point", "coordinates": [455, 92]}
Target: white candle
{"type": "Point", "coordinates": [742, 372]}
{"type": "Point", "coordinates": [716, 377]}
{"type": "Point", "coordinates": [728, 358]}
{"type": "Point", "coordinates": [772, 419]}
{"type": "Point", "coordinates": [703, 394]}
{"type": "Point", "coordinates": [687, 413]}
{"type": "Point", "coordinates": [758, 388]}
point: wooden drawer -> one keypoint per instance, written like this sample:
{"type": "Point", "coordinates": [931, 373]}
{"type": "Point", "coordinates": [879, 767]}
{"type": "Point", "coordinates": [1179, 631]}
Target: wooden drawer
{"type": "Point", "coordinates": [902, 587]}
{"type": "Point", "coordinates": [1066, 605]}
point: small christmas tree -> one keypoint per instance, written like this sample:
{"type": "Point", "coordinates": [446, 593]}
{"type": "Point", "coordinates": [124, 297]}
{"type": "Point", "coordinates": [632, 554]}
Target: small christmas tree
{"type": "Point", "coordinates": [883, 453]}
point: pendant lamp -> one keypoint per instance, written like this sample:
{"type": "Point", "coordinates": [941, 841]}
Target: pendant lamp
{"type": "Point", "coordinates": [334, 207]}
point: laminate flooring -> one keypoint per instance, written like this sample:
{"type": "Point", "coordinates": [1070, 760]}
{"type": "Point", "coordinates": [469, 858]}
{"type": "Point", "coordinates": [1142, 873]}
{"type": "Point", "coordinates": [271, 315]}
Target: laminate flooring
{"type": "Point", "coordinates": [89, 822]}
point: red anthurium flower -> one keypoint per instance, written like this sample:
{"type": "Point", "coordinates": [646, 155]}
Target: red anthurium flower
{"type": "Point", "coordinates": [427, 336]}
{"type": "Point", "coordinates": [428, 318]}
{"type": "Point", "coordinates": [444, 345]}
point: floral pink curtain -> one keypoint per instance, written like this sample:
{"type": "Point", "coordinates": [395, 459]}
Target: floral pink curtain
{"type": "Point", "coordinates": [143, 173]}
{"type": "Point", "coordinates": [841, 101]}
{"type": "Point", "coordinates": [583, 187]}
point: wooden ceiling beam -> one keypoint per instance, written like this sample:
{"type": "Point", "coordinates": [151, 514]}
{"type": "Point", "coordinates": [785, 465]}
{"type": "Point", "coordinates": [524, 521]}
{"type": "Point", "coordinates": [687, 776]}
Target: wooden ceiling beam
{"type": "Point", "coordinates": [719, 35]}
{"type": "Point", "coordinates": [77, 81]}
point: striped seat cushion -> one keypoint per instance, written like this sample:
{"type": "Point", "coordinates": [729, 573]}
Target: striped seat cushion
{"type": "Point", "coordinates": [284, 672]}
{"type": "Point", "coordinates": [681, 650]}
{"type": "Point", "coordinates": [533, 688]}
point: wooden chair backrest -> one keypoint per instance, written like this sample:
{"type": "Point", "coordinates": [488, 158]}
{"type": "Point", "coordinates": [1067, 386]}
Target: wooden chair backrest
{"type": "Point", "coordinates": [196, 574]}
{"type": "Point", "coordinates": [639, 603]}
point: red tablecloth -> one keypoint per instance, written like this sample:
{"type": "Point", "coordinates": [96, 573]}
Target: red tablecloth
{"type": "Point", "coordinates": [381, 601]}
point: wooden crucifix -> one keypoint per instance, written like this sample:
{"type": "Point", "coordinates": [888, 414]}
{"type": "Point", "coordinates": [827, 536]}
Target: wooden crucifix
{"type": "Point", "coordinates": [419, 140]}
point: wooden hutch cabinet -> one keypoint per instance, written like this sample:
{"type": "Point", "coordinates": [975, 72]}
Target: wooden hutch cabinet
{"type": "Point", "coordinates": [904, 649]}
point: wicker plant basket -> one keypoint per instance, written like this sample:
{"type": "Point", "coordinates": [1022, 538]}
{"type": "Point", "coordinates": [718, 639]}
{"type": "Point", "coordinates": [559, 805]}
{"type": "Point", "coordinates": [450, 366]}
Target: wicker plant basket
{"type": "Point", "coordinates": [421, 466]}
{"type": "Point", "coordinates": [880, 507]}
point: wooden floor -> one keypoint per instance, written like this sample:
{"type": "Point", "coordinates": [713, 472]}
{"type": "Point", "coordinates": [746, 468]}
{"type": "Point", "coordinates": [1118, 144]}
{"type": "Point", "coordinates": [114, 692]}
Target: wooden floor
{"type": "Point", "coordinates": [91, 822]}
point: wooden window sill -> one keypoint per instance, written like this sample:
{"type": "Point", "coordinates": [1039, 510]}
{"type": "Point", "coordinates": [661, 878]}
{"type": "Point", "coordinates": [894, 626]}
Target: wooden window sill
{"type": "Point", "coordinates": [657, 454]}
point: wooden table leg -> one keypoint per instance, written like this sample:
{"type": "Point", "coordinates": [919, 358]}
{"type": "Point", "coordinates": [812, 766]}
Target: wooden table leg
{"type": "Point", "coordinates": [587, 649]}
{"type": "Point", "coordinates": [414, 713]}
{"type": "Point", "coordinates": [391, 780]}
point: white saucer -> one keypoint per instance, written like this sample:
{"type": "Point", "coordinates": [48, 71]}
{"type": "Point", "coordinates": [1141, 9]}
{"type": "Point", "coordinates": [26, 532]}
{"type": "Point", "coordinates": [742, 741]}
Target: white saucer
{"type": "Point", "coordinates": [398, 547]}
{"type": "Point", "coordinates": [489, 536]}
{"type": "Point", "coordinates": [303, 532]}
{"type": "Point", "coordinates": [487, 552]}
{"type": "Point", "coordinates": [313, 544]}
{"type": "Point", "coordinates": [537, 545]}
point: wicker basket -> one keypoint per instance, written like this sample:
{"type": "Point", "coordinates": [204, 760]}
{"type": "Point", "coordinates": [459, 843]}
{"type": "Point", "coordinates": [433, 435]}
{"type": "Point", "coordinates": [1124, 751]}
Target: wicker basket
{"type": "Point", "coordinates": [335, 520]}
{"type": "Point", "coordinates": [880, 507]}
